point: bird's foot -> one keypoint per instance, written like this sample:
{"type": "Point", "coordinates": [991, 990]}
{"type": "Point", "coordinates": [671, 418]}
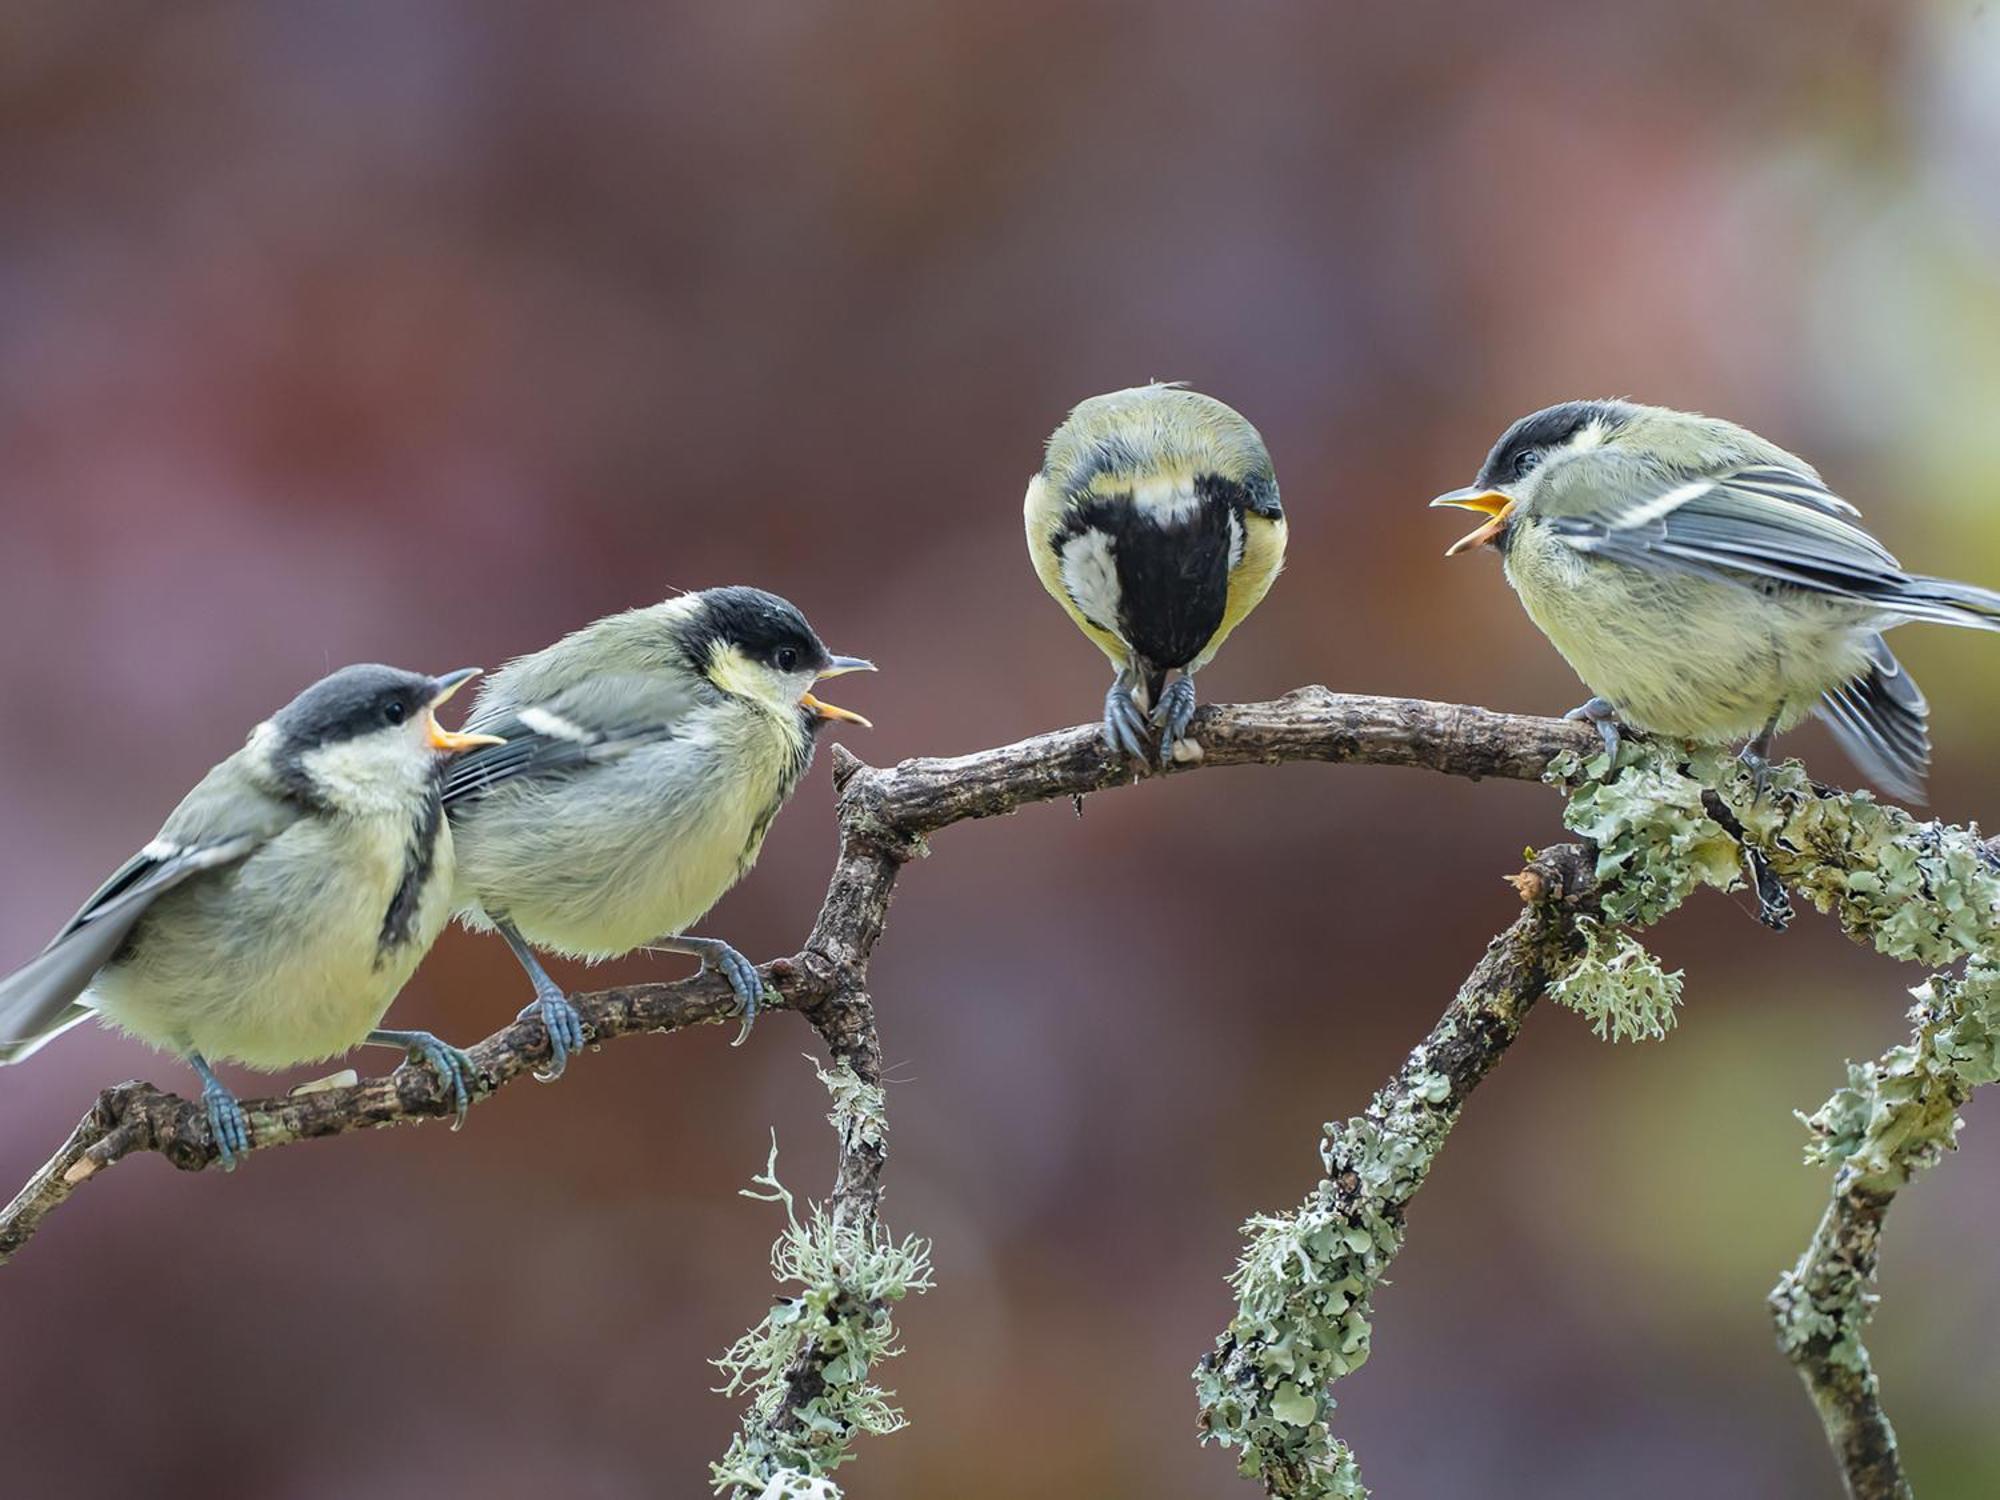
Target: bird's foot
{"type": "Point", "coordinates": [1599, 713]}
{"type": "Point", "coordinates": [1174, 714]}
{"type": "Point", "coordinates": [227, 1126]}
{"type": "Point", "coordinates": [1758, 765]}
{"type": "Point", "coordinates": [739, 971]}
{"type": "Point", "coordinates": [1757, 756]}
{"type": "Point", "coordinates": [1125, 721]}
{"type": "Point", "coordinates": [453, 1066]}
{"type": "Point", "coordinates": [562, 1022]}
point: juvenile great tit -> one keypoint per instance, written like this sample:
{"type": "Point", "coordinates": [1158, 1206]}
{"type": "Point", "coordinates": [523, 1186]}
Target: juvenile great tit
{"type": "Point", "coordinates": [281, 906]}
{"type": "Point", "coordinates": [1155, 523]}
{"type": "Point", "coordinates": [1706, 584]}
{"type": "Point", "coordinates": [646, 755]}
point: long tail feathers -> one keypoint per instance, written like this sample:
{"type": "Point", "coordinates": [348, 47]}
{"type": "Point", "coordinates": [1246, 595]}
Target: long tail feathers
{"type": "Point", "coordinates": [1943, 601]}
{"type": "Point", "coordinates": [39, 1000]}
{"type": "Point", "coordinates": [13, 1052]}
{"type": "Point", "coordinates": [1880, 720]}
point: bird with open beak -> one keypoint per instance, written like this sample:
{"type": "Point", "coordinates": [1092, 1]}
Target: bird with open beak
{"type": "Point", "coordinates": [646, 756]}
{"type": "Point", "coordinates": [282, 905]}
{"type": "Point", "coordinates": [1707, 584]}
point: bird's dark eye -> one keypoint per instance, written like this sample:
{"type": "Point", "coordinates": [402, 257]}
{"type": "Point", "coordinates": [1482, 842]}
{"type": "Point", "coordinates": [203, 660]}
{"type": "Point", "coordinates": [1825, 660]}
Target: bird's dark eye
{"type": "Point", "coordinates": [787, 658]}
{"type": "Point", "coordinates": [395, 711]}
{"type": "Point", "coordinates": [1527, 463]}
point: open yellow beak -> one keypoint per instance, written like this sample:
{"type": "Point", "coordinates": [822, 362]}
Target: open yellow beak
{"type": "Point", "coordinates": [1492, 503]}
{"type": "Point", "coordinates": [445, 739]}
{"type": "Point", "coordinates": [840, 666]}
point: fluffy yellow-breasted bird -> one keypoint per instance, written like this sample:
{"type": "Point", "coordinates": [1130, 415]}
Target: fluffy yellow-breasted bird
{"type": "Point", "coordinates": [641, 762]}
{"type": "Point", "coordinates": [1706, 584]}
{"type": "Point", "coordinates": [283, 904]}
{"type": "Point", "coordinates": [1156, 525]}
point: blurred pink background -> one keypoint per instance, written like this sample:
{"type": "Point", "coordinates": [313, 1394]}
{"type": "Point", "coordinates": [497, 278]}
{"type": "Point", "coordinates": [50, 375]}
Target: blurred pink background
{"type": "Point", "coordinates": [424, 332]}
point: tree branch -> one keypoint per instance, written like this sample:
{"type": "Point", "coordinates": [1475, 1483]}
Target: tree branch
{"type": "Point", "coordinates": [1821, 1308]}
{"type": "Point", "coordinates": [884, 815]}
{"type": "Point", "coordinates": [1659, 825]}
{"type": "Point", "coordinates": [1306, 1281]}
{"type": "Point", "coordinates": [1897, 1116]}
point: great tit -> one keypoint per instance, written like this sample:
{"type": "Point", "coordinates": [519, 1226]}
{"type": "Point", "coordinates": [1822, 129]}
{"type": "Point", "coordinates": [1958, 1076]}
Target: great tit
{"type": "Point", "coordinates": [646, 755]}
{"type": "Point", "coordinates": [1706, 584]}
{"type": "Point", "coordinates": [281, 906]}
{"type": "Point", "coordinates": [1156, 525]}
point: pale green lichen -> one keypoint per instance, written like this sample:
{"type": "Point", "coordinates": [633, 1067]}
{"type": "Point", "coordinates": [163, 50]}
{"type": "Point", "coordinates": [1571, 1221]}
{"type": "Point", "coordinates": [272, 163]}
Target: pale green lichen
{"type": "Point", "coordinates": [1899, 1113]}
{"type": "Point", "coordinates": [1656, 841]}
{"type": "Point", "coordinates": [1303, 1288]}
{"type": "Point", "coordinates": [1924, 892]}
{"type": "Point", "coordinates": [858, 1113]}
{"type": "Point", "coordinates": [1896, 1116]}
{"type": "Point", "coordinates": [806, 1365]}
{"type": "Point", "coordinates": [789, 1484]}
{"type": "Point", "coordinates": [1664, 824]}
{"type": "Point", "coordinates": [1619, 987]}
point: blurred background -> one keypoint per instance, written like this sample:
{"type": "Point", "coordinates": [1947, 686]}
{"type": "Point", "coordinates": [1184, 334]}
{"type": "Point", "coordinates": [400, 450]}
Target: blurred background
{"type": "Point", "coordinates": [425, 332]}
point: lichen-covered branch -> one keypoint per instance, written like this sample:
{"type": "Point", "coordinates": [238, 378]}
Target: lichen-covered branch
{"type": "Point", "coordinates": [807, 1365]}
{"type": "Point", "coordinates": [1922, 892]}
{"type": "Point", "coordinates": [1661, 823]}
{"type": "Point", "coordinates": [1896, 1116]}
{"type": "Point", "coordinates": [1305, 1284]}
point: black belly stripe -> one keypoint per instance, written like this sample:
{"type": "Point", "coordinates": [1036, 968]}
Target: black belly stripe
{"type": "Point", "coordinates": [399, 922]}
{"type": "Point", "coordinates": [1173, 580]}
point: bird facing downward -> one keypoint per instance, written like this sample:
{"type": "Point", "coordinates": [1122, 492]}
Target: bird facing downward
{"type": "Point", "coordinates": [1155, 524]}
{"type": "Point", "coordinates": [1706, 584]}
{"type": "Point", "coordinates": [282, 905]}
{"type": "Point", "coordinates": [645, 757]}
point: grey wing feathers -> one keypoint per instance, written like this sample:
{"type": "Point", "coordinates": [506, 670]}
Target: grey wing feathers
{"type": "Point", "coordinates": [1770, 525]}
{"type": "Point", "coordinates": [1880, 721]}
{"type": "Point", "coordinates": [599, 719]}
{"type": "Point", "coordinates": [527, 753]}
{"type": "Point", "coordinates": [1761, 522]}
{"type": "Point", "coordinates": [38, 1000]}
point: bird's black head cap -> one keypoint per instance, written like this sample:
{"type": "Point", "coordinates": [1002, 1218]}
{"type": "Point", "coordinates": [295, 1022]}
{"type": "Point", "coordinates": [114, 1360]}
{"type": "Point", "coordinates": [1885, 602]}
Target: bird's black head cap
{"type": "Point", "coordinates": [352, 702]}
{"type": "Point", "coordinates": [1524, 444]}
{"type": "Point", "coordinates": [762, 626]}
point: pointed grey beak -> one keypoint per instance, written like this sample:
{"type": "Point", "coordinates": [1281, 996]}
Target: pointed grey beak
{"type": "Point", "coordinates": [837, 666]}
{"type": "Point", "coordinates": [450, 682]}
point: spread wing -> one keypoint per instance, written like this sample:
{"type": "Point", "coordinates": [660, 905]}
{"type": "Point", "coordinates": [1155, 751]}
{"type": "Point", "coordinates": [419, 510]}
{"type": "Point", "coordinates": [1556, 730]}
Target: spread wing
{"type": "Point", "coordinates": [1760, 522]}
{"type": "Point", "coordinates": [223, 820]}
{"type": "Point", "coordinates": [593, 722]}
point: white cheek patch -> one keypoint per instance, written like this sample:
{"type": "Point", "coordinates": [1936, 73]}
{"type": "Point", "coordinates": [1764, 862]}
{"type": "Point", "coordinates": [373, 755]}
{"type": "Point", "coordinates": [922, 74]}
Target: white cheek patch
{"type": "Point", "coordinates": [1588, 436]}
{"type": "Point", "coordinates": [1235, 540]}
{"type": "Point", "coordinates": [554, 725]}
{"type": "Point", "coordinates": [1167, 499]}
{"type": "Point", "coordinates": [1090, 577]}
{"type": "Point", "coordinates": [372, 773]}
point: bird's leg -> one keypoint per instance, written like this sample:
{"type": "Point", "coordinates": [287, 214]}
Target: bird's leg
{"type": "Point", "coordinates": [1599, 712]}
{"type": "Point", "coordinates": [551, 1005]}
{"type": "Point", "coordinates": [226, 1124]}
{"type": "Point", "coordinates": [452, 1065]}
{"type": "Point", "coordinates": [1173, 715]}
{"type": "Point", "coordinates": [1757, 756]}
{"type": "Point", "coordinates": [1124, 720]}
{"type": "Point", "coordinates": [739, 971]}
